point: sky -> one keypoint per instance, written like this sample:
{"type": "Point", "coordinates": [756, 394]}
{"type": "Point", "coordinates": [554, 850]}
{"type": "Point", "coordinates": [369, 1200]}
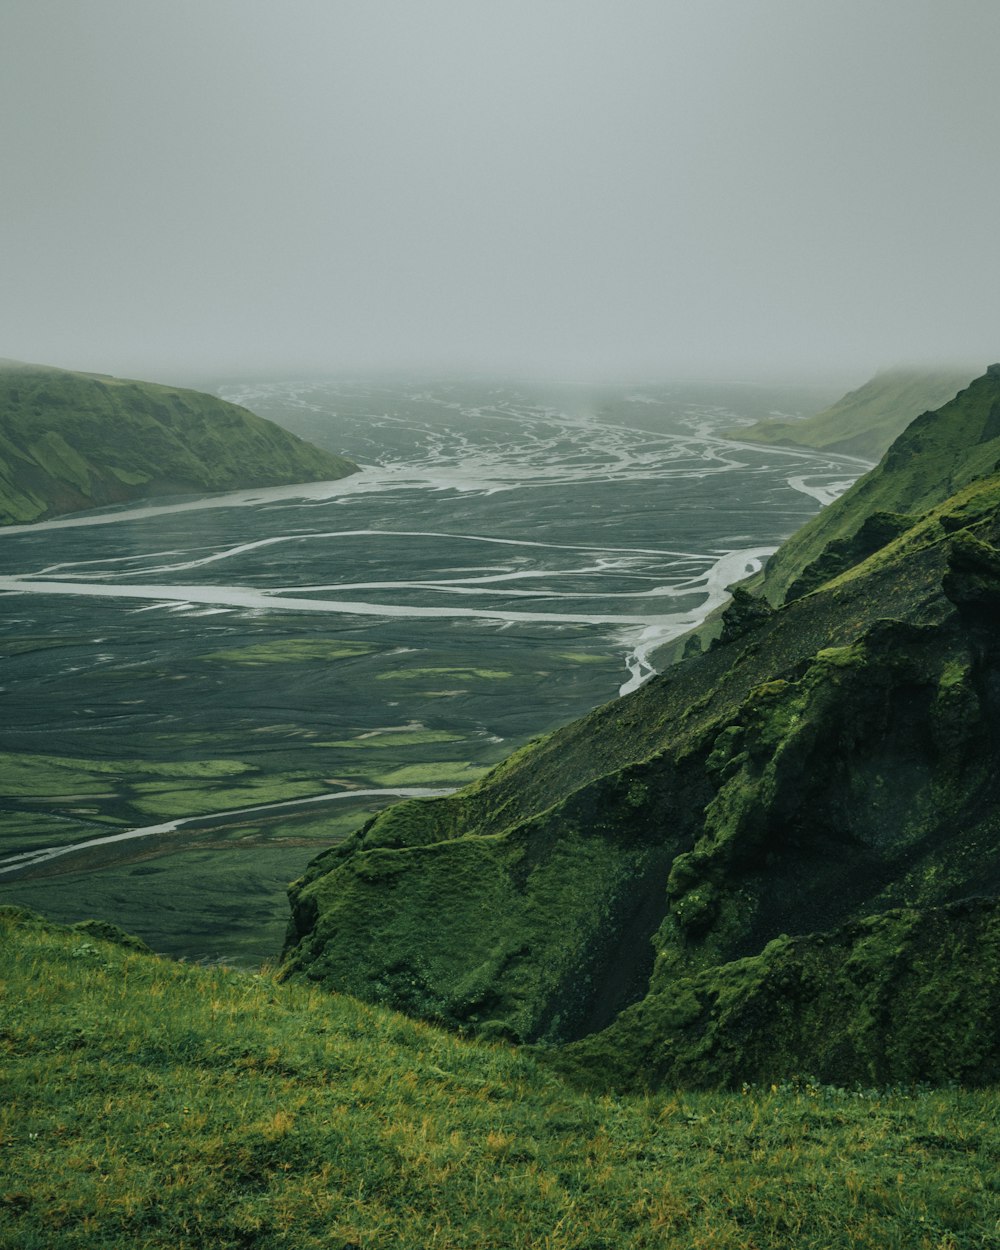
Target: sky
{"type": "Point", "coordinates": [573, 188]}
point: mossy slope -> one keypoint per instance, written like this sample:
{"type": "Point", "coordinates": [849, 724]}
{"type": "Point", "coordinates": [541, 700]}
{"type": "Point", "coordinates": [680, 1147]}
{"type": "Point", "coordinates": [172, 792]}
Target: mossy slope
{"type": "Point", "coordinates": [866, 421]}
{"type": "Point", "coordinates": [828, 763]}
{"type": "Point", "coordinates": [76, 440]}
{"type": "Point", "coordinates": [936, 455]}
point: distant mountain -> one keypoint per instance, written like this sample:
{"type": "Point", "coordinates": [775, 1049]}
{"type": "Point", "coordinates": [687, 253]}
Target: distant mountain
{"type": "Point", "coordinates": [867, 420]}
{"type": "Point", "coordinates": [81, 440]}
{"type": "Point", "coordinates": [781, 856]}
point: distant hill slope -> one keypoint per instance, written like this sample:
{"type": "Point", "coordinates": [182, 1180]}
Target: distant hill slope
{"type": "Point", "coordinates": [867, 420]}
{"type": "Point", "coordinates": [781, 856]}
{"type": "Point", "coordinates": [80, 440]}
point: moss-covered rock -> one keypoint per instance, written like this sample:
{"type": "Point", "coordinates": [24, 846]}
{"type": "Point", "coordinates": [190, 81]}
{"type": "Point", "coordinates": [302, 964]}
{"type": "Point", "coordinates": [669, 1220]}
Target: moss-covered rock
{"type": "Point", "coordinates": [874, 533]}
{"type": "Point", "coordinates": [900, 997]}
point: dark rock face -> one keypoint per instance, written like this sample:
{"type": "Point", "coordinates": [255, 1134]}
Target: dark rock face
{"type": "Point", "coordinates": [743, 613]}
{"type": "Point", "coordinates": [626, 888]}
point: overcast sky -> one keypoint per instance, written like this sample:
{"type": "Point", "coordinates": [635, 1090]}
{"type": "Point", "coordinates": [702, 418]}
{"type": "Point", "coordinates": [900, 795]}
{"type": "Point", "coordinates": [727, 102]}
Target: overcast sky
{"type": "Point", "coordinates": [575, 187]}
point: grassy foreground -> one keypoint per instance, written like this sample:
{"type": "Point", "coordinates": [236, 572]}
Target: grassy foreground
{"type": "Point", "coordinates": [149, 1103]}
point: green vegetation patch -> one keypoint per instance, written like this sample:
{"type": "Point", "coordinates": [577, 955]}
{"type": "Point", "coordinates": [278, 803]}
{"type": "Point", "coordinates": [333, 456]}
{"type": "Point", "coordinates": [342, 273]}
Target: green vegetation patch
{"type": "Point", "coordinates": [392, 739]}
{"type": "Point", "coordinates": [865, 421]}
{"type": "Point", "coordinates": [292, 651]}
{"type": "Point", "coordinates": [207, 893]}
{"type": "Point", "coordinates": [447, 772]}
{"type": "Point", "coordinates": [156, 1104]}
{"type": "Point", "coordinates": [937, 455]}
{"type": "Point", "coordinates": [165, 800]}
{"type": "Point", "coordinates": [908, 995]}
{"type": "Point", "coordinates": [35, 776]}
{"type": "Point", "coordinates": [457, 674]}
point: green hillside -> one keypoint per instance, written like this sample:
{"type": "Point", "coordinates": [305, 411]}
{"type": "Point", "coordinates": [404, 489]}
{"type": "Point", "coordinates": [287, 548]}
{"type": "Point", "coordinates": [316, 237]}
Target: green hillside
{"type": "Point", "coordinates": [938, 454]}
{"type": "Point", "coordinates": [79, 440]}
{"type": "Point", "coordinates": [760, 863]}
{"type": "Point", "coordinates": [148, 1103]}
{"type": "Point", "coordinates": [864, 422]}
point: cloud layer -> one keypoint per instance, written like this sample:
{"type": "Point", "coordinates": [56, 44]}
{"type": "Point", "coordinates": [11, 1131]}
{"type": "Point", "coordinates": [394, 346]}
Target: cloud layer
{"type": "Point", "coordinates": [565, 186]}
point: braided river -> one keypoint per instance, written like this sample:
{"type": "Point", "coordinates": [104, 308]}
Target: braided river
{"type": "Point", "coordinates": [205, 670]}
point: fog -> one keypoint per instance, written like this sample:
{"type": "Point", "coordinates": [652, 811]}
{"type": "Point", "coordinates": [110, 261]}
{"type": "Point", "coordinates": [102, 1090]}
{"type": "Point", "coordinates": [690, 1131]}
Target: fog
{"type": "Point", "coordinates": [573, 188]}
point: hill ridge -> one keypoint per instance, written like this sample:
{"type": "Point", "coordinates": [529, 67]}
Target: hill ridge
{"type": "Point", "coordinates": [70, 441]}
{"type": "Point", "coordinates": [866, 420]}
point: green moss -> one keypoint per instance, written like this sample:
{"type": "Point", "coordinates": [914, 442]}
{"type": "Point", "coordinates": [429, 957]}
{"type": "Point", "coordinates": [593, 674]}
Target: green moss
{"type": "Point", "coordinates": [938, 455]}
{"type": "Point", "coordinates": [953, 673]}
{"type": "Point", "coordinates": [839, 657]}
{"type": "Point", "coordinates": [831, 769]}
{"type": "Point", "coordinates": [554, 890]}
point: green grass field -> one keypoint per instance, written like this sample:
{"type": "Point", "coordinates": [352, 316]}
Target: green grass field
{"type": "Point", "coordinates": [148, 1103]}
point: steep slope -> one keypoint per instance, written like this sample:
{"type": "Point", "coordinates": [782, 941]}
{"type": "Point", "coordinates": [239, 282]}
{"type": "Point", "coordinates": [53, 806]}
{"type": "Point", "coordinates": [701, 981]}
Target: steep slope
{"type": "Point", "coordinates": [829, 764]}
{"type": "Point", "coordinates": [936, 455]}
{"type": "Point", "coordinates": [77, 440]}
{"type": "Point", "coordinates": [864, 422]}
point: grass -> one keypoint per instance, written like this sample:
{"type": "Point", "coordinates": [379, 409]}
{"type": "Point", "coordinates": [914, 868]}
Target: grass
{"type": "Point", "coordinates": [36, 775]}
{"type": "Point", "coordinates": [864, 422]}
{"type": "Point", "coordinates": [149, 1104]}
{"type": "Point", "coordinates": [445, 773]}
{"type": "Point", "coordinates": [136, 791]}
